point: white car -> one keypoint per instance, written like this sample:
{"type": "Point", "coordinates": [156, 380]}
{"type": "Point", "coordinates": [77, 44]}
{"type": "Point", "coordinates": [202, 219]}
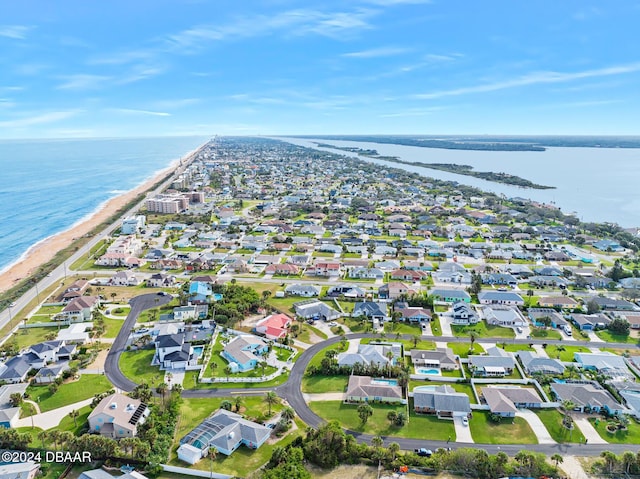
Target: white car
{"type": "Point", "coordinates": [333, 323]}
{"type": "Point", "coordinates": [465, 421]}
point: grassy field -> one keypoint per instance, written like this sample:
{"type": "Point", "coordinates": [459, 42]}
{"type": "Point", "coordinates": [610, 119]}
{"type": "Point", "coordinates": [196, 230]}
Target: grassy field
{"type": "Point", "coordinates": [513, 348]}
{"type": "Point", "coordinates": [564, 353]}
{"type": "Point", "coordinates": [552, 420]}
{"type": "Point", "coordinates": [483, 330]}
{"type": "Point", "coordinates": [80, 426]}
{"type": "Point", "coordinates": [324, 384]}
{"type": "Point", "coordinates": [462, 349]}
{"type": "Point", "coordinates": [436, 329]}
{"type": "Point", "coordinates": [84, 388]}
{"type": "Point", "coordinates": [541, 333]}
{"type": "Point", "coordinates": [485, 431]}
{"type": "Point", "coordinates": [610, 337]}
{"type": "Point", "coordinates": [418, 427]}
{"type": "Point", "coordinates": [136, 365]}
{"type": "Point", "coordinates": [630, 436]}
{"type": "Point", "coordinates": [29, 337]}
{"type": "Point", "coordinates": [402, 328]}
{"type": "Point", "coordinates": [112, 327]}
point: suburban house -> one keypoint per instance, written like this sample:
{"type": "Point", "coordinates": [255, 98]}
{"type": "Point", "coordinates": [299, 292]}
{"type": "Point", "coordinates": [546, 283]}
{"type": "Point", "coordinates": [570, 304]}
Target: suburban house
{"type": "Point", "coordinates": [590, 322]}
{"type": "Point", "coordinates": [275, 326]}
{"type": "Point", "coordinates": [76, 289]}
{"type": "Point", "coordinates": [441, 358]}
{"type": "Point", "coordinates": [348, 291]}
{"type": "Point", "coordinates": [372, 354]}
{"type": "Point", "coordinates": [15, 369]}
{"type": "Point", "coordinates": [9, 414]}
{"type": "Point", "coordinates": [366, 273]}
{"type": "Point", "coordinates": [372, 310]}
{"type": "Point", "coordinates": [447, 295]}
{"type": "Point", "coordinates": [125, 278]}
{"type": "Point", "coordinates": [442, 401]}
{"type": "Point", "coordinates": [77, 333]}
{"type": "Point", "coordinates": [395, 289]}
{"type": "Point", "coordinates": [505, 401]}
{"type": "Point", "coordinates": [331, 270]}
{"type": "Point", "coordinates": [463, 314]}
{"type": "Point", "coordinates": [368, 389]}
{"type": "Point", "coordinates": [414, 314]}
{"type": "Point", "coordinates": [192, 311]}
{"type": "Point", "coordinates": [118, 416]}
{"type": "Point", "coordinates": [611, 303]}
{"type": "Point", "coordinates": [79, 309]}
{"type": "Point", "coordinates": [537, 314]}
{"type": "Point", "coordinates": [199, 292]}
{"type": "Point", "coordinates": [172, 352]}
{"type": "Point", "coordinates": [409, 275]}
{"type": "Point", "coordinates": [285, 269]}
{"type": "Point", "coordinates": [314, 309]}
{"type": "Point", "coordinates": [505, 316]}
{"type": "Point", "coordinates": [534, 363]}
{"type": "Point", "coordinates": [588, 397]}
{"type": "Point", "coordinates": [49, 374]}
{"type": "Point", "coordinates": [305, 290]}
{"type": "Point", "coordinates": [244, 352]}
{"type": "Point", "coordinates": [508, 298]}
{"type": "Point", "coordinates": [562, 302]}
{"type": "Point", "coordinates": [225, 431]}
{"type": "Point", "coordinates": [496, 363]}
{"type": "Point", "coordinates": [161, 280]}
{"type": "Point", "coordinates": [19, 470]}
{"type": "Point", "coordinates": [605, 363]}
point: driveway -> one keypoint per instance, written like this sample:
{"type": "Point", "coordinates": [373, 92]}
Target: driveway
{"type": "Point", "coordinates": [590, 433]}
{"type": "Point", "coordinates": [463, 433]}
{"type": "Point", "coordinates": [51, 419]}
{"type": "Point", "coordinates": [538, 428]}
{"type": "Point", "coordinates": [445, 324]}
{"type": "Point", "coordinates": [540, 350]}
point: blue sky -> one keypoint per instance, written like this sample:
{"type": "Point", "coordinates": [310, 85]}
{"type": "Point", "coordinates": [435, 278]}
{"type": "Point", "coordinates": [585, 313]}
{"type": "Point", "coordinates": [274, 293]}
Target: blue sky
{"type": "Point", "coordinates": [77, 68]}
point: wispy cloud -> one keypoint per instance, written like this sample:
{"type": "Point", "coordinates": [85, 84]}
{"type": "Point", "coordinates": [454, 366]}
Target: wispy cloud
{"type": "Point", "coordinates": [82, 81]}
{"type": "Point", "coordinates": [133, 111]}
{"type": "Point", "coordinates": [413, 112]}
{"type": "Point", "coordinates": [376, 52]}
{"type": "Point", "coordinates": [293, 22]}
{"type": "Point", "coordinates": [175, 104]}
{"type": "Point", "coordinates": [393, 3]}
{"type": "Point", "coordinates": [579, 104]}
{"type": "Point", "coordinates": [535, 78]}
{"type": "Point", "coordinates": [49, 117]}
{"type": "Point", "coordinates": [17, 32]}
{"type": "Point", "coordinates": [435, 58]}
{"type": "Point", "coordinates": [141, 72]}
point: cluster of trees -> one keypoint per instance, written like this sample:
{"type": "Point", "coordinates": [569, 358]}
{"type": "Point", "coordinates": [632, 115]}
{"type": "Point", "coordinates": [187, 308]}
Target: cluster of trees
{"type": "Point", "coordinates": [626, 463]}
{"type": "Point", "coordinates": [237, 302]}
{"type": "Point", "coordinates": [329, 446]}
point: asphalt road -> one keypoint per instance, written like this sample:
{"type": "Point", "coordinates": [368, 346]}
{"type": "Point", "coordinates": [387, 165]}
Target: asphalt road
{"type": "Point", "coordinates": [111, 367]}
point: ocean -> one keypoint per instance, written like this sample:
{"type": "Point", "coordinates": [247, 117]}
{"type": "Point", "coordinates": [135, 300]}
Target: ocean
{"type": "Point", "coordinates": [597, 184]}
{"type": "Point", "coordinates": [50, 185]}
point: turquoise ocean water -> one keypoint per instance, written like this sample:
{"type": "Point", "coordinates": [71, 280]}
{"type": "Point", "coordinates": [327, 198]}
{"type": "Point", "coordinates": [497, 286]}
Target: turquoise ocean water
{"type": "Point", "coordinates": [49, 185]}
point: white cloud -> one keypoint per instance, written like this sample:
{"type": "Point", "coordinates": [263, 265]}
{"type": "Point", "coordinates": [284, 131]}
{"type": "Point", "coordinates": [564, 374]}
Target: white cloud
{"type": "Point", "coordinates": [17, 32]}
{"type": "Point", "coordinates": [49, 117]}
{"type": "Point", "coordinates": [82, 81]}
{"type": "Point", "coordinates": [433, 58]}
{"type": "Point", "coordinates": [376, 52]}
{"type": "Point", "coordinates": [141, 72]}
{"type": "Point", "coordinates": [535, 78]}
{"type": "Point", "coordinates": [173, 104]}
{"type": "Point", "coordinates": [133, 111]}
{"type": "Point", "coordinates": [392, 3]}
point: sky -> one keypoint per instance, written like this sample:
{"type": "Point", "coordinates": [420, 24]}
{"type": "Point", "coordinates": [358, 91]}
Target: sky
{"type": "Point", "coordinates": [78, 68]}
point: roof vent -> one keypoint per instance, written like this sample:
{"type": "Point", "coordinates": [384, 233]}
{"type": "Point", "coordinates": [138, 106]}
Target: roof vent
{"type": "Point", "coordinates": [231, 435]}
{"type": "Point", "coordinates": [113, 405]}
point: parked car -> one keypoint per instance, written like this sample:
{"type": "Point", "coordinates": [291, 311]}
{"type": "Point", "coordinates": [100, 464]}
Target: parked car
{"type": "Point", "coordinates": [424, 452]}
{"type": "Point", "coordinates": [465, 421]}
{"type": "Point", "coordinates": [519, 329]}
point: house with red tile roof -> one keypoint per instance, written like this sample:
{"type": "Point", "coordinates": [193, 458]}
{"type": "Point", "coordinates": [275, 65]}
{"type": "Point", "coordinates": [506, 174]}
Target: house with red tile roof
{"type": "Point", "coordinates": [275, 326]}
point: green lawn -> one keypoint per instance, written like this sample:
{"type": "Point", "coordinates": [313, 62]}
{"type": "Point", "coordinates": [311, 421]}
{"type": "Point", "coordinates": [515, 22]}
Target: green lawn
{"type": "Point", "coordinates": [282, 354]}
{"type": "Point", "coordinates": [541, 333]}
{"type": "Point", "coordinates": [80, 426]}
{"type": "Point", "coordinates": [221, 365]}
{"type": "Point", "coordinates": [84, 388]}
{"type": "Point", "coordinates": [483, 330]}
{"type": "Point", "coordinates": [485, 431]}
{"type": "Point", "coordinates": [418, 427]}
{"type": "Point", "coordinates": [29, 337]}
{"type": "Point", "coordinates": [436, 329]}
{"type": "Point", "coordinates": [513, 348]}
{"type": "Point", "coordinates": [463, 349]}
{"type": "Point", "coordinates": [191, 376]}
{"type": "Point", "coordinates": [564, 353]}
{"type": "Point", "coordinates": [136, 365]}
{"type": "Point", "coordinates": [112, 327]}
{"type": "Point", "coordinates": [552, 420]}
{"type": "Point", "coordinates": [324, 384]}
{"type": "Point", "coordinates": [402, 328]}
{"type": "Point", "coordinates": [630, 436]}
{"type": "Point", "coordinates": [610, 337]}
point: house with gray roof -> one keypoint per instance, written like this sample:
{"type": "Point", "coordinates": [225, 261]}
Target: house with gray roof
{"type": "Point", "coordinates": [224, 430]}
{"type": "Point", "coordinates": [15, 370]}
{"type": "Point", "coordinates": [372, 353]}
{"type": "Point", "coordinates": [588, 397]}
{"type": "Point", "coordinates": [450, 295]}
{"type": "Point", "coordinates": [316, 310]}
{"type": "Point", "coordinates": [606, 363]}
{"type": "Point", "coordinates": [508, 298]}
{"type": "Point", "coordinates": [443, 401]}
{"type": "Point", "coordinates": [590, 322]}
{"type": "Point", "coordinates": [244, 352]}
{"type": "Point", "coordinates": [372, 310]}
{"type": "Point", "coordinates": [463, 314]}
{"type": "Point", "coordinates": [49, 374]}
{"type": "Point", "coordinates": [505, 401]}
{"type": "Point", "coordinates": [9, 414]}
{"type": "Point", "coordinates": [441, 358]}
{"type": "Point", "coordinates": [368, 389]}
{"type": "Point", "coordinates": [305, 290]}
{"type": "Point", "coordinates": [536, 314]}
{"type": "Point", "coordinates": [505, 316]}
{"type": "Point", "coordinates": [533, 363]}
{"type": "Point", "coordinates": [495, 363]}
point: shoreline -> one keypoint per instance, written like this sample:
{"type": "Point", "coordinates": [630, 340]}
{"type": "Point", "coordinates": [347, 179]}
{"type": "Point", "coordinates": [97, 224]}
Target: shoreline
{"type": "Point", "coordinates": [45, 249]}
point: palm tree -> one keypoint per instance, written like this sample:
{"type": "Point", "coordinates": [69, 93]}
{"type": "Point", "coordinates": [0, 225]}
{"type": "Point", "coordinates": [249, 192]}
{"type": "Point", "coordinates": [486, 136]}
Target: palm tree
{"type": "Point", "coordinates": [227, 372]}
{"type": "Point", "coordinates": [263, 366]}
{"type": "Point", "coordinates": [271, 398]}
{"type": "Point", "coordinates": [238, 402]}
{"type": "Point", "coordinates": [394, 448]}
{"type": "Point", "coordinates": [376, 441]}
{"type": "Point", "coordinates": [43, 435]}
{"type": "Point", "coordinates": [472, 339]}
{"type": "Point", "coordinates": [288, 413]}
{"type": "Point", "coordinates": [558, 459]}
{"type": "Point", "coordinates": [74, 414]}
{"type": "Point", "coordinates": [162, 389]}
{"type": "Point", "coordinates": [416, 340]}
{"type": "Point", "coordinates": [213, 453]}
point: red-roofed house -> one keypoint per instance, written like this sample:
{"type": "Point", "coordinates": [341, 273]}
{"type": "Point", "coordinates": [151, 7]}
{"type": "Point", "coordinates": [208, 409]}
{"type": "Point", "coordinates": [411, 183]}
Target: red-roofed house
{"type": "Point", "coordinates": [409, 275]}
{"type": "Point", "coordinates": [285, 268]}
{"type": "Point", "coordinates": [274, 326]}
{"type": "Point", "coordinates": [327, 269]}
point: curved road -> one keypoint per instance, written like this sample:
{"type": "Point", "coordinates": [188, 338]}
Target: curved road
{"type": "Point", "coordinates": [111, 366]}
{"type": "Point", "coordinates": [291, 391]}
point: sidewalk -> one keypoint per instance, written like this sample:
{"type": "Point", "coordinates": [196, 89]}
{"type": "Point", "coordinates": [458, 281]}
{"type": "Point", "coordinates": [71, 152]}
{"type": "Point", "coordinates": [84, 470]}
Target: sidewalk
{"type": "Point", "coordinates": [51, 419]}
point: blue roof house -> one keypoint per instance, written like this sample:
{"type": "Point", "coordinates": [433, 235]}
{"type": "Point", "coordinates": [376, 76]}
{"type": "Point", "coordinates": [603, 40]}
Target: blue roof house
{"type": "Point", "coordinates": [199, 292]}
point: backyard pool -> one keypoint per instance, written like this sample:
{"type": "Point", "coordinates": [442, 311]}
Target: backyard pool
{"type": "Point", "coordinates": [432, 372]}
{"type": "Point", "coordinates": [197, 351]}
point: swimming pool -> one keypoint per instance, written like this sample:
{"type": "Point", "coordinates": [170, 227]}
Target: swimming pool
{"type": "Point", "coordinates": [432, 372]}
{"type": "Point", "coordinates": [388, 382]}
{"type": "Point", "coordinates": [197, 351]}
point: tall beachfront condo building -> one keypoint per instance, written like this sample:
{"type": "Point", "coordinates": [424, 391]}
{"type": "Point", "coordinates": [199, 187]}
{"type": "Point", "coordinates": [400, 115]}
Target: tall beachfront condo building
{"type": "Point", "coordinates": [174, 203]}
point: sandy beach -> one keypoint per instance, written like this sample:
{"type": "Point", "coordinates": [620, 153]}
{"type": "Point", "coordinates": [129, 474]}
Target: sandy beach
{"type": "Point", "coordinates": [47, 249]}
